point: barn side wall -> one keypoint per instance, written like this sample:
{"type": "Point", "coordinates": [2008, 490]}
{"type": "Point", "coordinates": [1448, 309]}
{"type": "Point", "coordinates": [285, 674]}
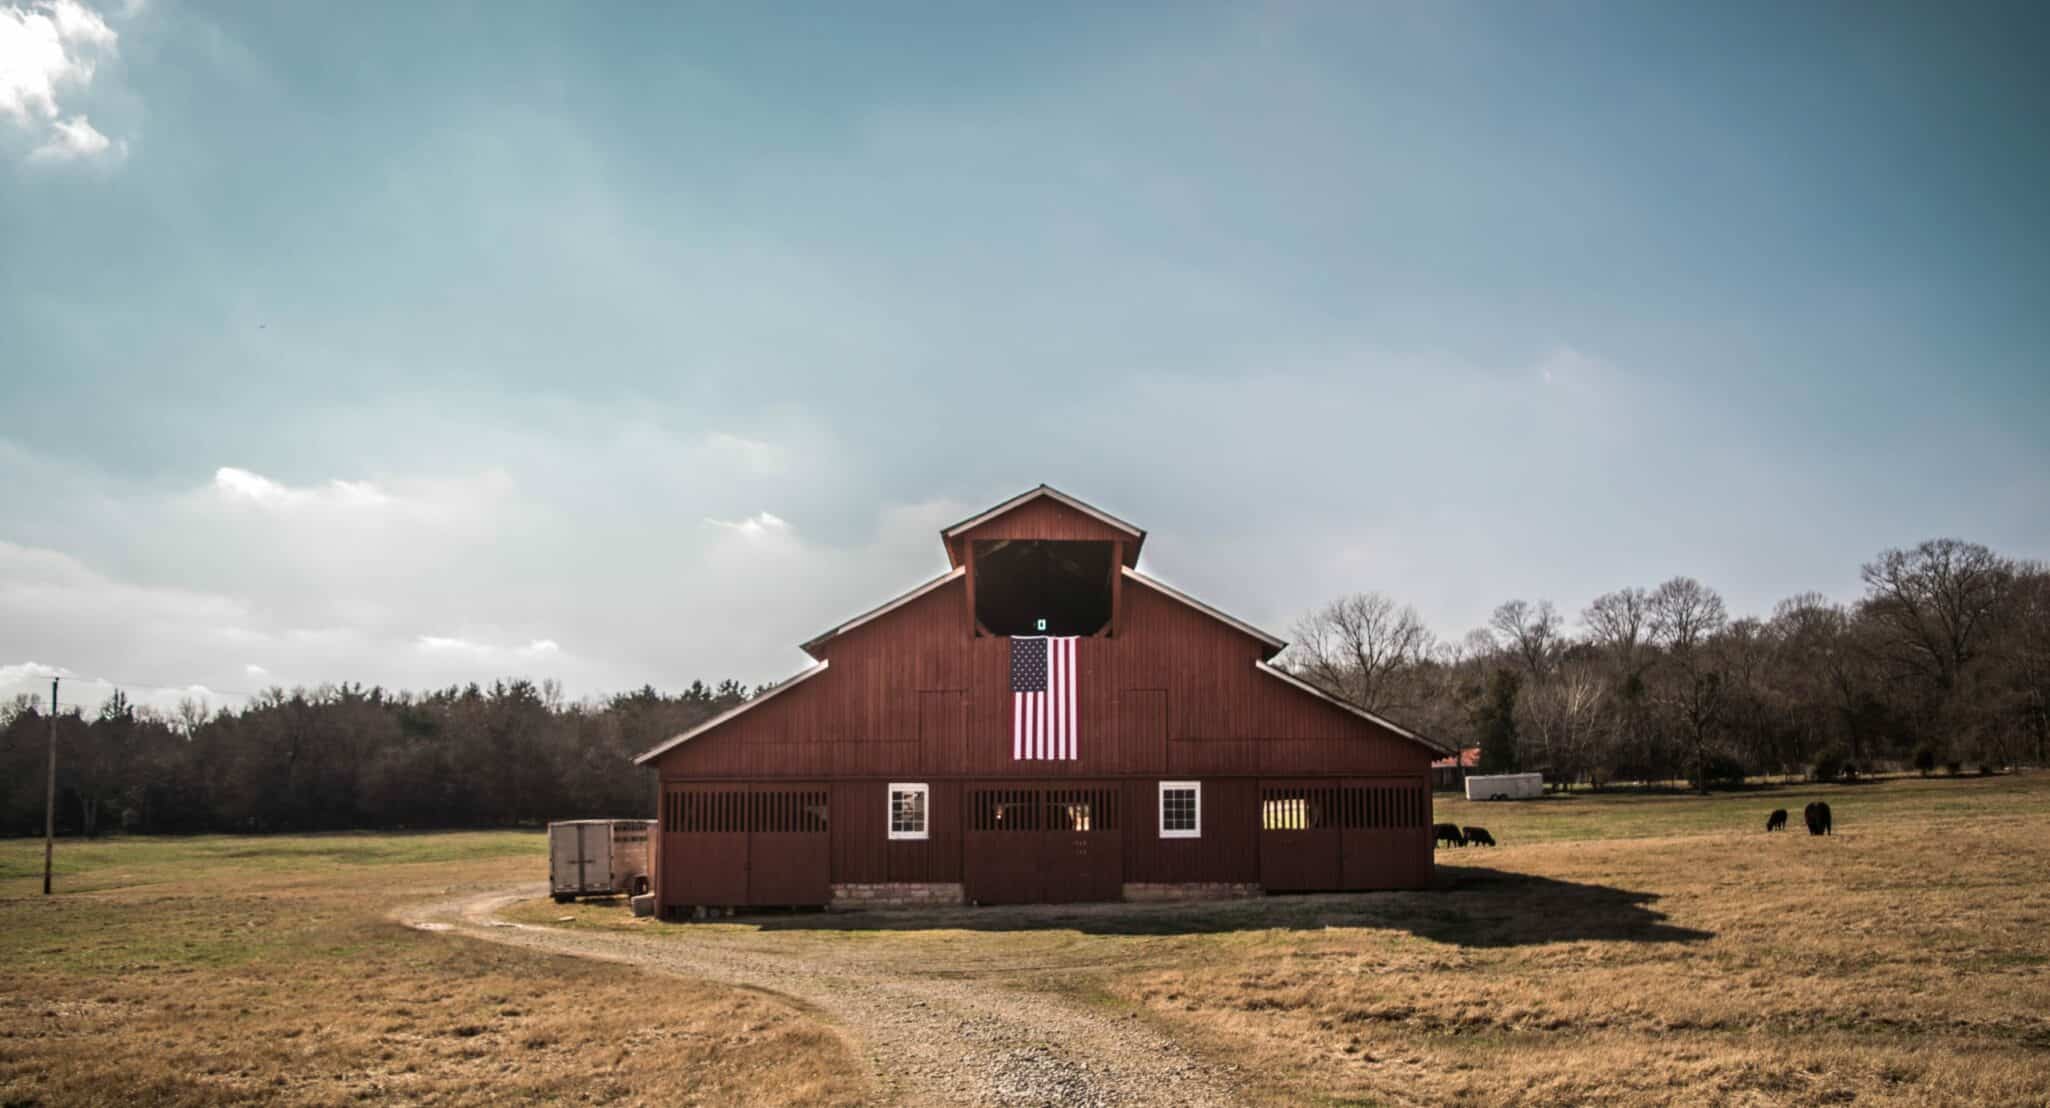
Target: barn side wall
{"type": "Point", "coordinates": [1175, 693]}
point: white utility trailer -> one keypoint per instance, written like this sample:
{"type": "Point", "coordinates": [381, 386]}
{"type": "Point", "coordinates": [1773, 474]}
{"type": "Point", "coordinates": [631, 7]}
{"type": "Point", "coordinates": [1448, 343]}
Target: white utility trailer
{"type": "Point", "coordinates": [1506, 786]}
{"type": "Point", "coordinates": [599, 857]}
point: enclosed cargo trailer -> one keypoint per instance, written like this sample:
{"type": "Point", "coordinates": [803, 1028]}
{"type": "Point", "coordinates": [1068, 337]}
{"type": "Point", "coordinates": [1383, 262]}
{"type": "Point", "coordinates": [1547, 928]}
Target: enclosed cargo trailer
{"type": "Point", "coordinates": [1506, 786]}
{"type": "Point", "coordinates": [599, 857]}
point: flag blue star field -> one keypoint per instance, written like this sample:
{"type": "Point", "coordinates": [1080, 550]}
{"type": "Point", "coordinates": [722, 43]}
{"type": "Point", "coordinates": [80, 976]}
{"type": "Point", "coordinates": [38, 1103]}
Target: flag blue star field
{"type": "Point", "coordinates": [1043, 698]}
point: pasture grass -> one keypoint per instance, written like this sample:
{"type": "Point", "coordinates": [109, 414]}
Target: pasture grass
{"type": "Point", "coordinates": [1621, 948]}
{"type": "Point", "coordinates": [214, 970]}
{"type": "Point", "coordinates": [1618, 948]}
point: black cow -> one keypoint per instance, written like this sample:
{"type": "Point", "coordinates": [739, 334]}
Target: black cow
{"type": "Point", "coordinates": [1817, 815]}
{"type": "Point", "coordinates": [1448, 833]}
{"type": "Point", "coordinates": [1777, 821]}
{"type": "Point", "coordinates": [1478, 836]}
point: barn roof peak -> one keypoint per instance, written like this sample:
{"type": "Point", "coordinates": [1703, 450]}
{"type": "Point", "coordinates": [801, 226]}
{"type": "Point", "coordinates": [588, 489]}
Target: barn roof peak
{"type": "Point", "coordinates": [1133, 536]}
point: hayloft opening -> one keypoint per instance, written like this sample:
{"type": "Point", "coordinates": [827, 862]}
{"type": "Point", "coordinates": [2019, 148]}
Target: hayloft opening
{"type": "Point", "coordinates": [1019, 582]}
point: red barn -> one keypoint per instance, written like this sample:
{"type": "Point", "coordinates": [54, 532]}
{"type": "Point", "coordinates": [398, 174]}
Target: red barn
{"type": "Point", "coordinates": [1154, 752]}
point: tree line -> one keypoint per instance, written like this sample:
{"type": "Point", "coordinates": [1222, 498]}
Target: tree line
{"type": "Point", "coordinates": [1943, 662]}
{"type": "Point", "coordinates": [344, 756]}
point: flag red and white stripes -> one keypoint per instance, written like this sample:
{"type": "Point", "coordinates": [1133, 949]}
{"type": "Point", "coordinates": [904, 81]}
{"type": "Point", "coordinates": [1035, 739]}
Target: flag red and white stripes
{"type": "Point", "coordinates": [1043, 698]}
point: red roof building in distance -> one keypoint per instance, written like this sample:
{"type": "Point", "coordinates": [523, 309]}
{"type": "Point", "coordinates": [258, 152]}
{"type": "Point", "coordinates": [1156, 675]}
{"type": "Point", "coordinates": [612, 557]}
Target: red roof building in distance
{"type": "Point", "coordinates": [1450, 772]}
{"type": "Point", "coordinates": [1042, 722]}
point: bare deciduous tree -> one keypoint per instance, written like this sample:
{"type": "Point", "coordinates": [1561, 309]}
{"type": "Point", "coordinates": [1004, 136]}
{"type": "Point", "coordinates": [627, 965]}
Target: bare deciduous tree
{"type": "Point", "coordinates": [1620, 622]}
{"type": "Point", "coordinates": [1933, 605]}
{"type": "Point", "coordinates": [1530, 632]}
{"type": "Point", "coordinates": [1356, 644]}
{"type": "Point", "coordinates": [1685, 615]}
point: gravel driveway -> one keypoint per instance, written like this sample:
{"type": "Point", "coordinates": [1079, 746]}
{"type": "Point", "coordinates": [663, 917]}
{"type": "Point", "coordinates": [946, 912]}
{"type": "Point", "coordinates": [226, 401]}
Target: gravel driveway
{"type": "Point", "coordinates": [925, 1039]}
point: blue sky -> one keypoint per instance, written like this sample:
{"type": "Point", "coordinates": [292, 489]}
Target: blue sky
{"type": "Point", "coordinates": [641, 344]}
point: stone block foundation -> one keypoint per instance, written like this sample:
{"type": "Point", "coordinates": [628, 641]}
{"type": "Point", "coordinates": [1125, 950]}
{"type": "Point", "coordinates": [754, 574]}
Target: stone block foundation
{"type": "Point", "coordinates": [898, 894]}
{"type": "Point", "coordinates": [1144, 892]}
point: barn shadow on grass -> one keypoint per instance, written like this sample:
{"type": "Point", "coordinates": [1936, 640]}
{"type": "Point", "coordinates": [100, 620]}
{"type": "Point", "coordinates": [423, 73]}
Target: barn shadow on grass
{"type": "Point", "coordinates": [1472, 906]}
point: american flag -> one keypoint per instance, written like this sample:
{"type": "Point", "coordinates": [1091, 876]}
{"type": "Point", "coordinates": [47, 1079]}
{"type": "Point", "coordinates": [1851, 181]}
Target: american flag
{"type": "Point", "coordinates": [1043, 698]}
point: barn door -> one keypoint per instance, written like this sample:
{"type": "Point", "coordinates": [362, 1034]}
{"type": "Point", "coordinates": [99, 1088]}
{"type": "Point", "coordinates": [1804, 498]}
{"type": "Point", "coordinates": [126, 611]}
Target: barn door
{"type": "Point", "coordinates": [1300, 838]}
{"type": "Point", "coordinates": [789, 856]}
{"type": "Point", "coordinates": [1387, 834]}
{"type": "Point", "coordinates": [728, 845]}
{"type": "Point", "coordinates": [704, 845]}
{"type": "Point", "coordinates": [1081, 852]}
{"type": "Point", "coordinates": [1000, 845]}
{"type": "Point", "coordinates": [1035, 844]}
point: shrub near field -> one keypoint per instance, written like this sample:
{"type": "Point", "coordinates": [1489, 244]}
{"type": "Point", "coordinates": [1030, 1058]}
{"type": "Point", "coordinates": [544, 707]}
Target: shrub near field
{"type": "Point", "coordinates": [1905, 960]}
{"type": "Point", "coordinates": [217, 970]}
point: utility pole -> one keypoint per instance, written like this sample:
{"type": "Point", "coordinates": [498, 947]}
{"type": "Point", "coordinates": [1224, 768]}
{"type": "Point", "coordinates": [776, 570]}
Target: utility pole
{"type": "Point", "coordinates": [50, 794]}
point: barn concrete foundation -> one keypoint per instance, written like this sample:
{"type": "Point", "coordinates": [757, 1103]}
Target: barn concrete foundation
{"type": "Point", "coordinates": [1143, 892]}
{"type": "Point", "coordinates": [897, 894]}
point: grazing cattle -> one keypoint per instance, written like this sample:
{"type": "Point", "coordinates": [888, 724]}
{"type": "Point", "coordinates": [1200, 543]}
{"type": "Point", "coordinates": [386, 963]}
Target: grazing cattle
{"type": "Point", "coordinates": [1817, 815]}
{"type": "Point", "coordinates": [1449, 833]}
{"type": "Point", "coordinates": [1777, 821]}
{"type": "Point", "coordinates": [1478, 836]}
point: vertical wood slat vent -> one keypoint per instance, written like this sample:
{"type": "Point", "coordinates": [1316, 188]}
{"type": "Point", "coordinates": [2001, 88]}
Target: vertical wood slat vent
{"type": "Point", "coordinates": [1341, 807]}
{"type": "Point", "coordinates": [696, 811]}
{"type": "Point", "coordinates": [1044, 809]}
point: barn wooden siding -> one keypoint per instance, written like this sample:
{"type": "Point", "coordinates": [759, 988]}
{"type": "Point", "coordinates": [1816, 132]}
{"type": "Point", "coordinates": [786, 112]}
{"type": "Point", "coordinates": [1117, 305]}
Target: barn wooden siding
{"type": "Point", "coordinates": [1363, 833]}
{"type": "Point", "coordinates": [1176, 694]}
{"type": "Point", "coordinates": [1043, 519]}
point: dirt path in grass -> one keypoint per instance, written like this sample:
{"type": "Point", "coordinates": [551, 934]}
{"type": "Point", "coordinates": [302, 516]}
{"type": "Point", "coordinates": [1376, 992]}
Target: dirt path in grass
{"type": "Point", "coordinates": [936, 1035]}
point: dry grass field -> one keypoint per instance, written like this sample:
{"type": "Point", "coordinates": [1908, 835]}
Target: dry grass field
{"type": "Point", "coordinates": [223, 970]}
{"type": "Point", "coordinates": [1665, 950]}
{"type": "Point", "coordinates": [1626, 949]}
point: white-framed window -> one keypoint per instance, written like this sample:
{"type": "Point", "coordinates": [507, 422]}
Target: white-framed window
{"type": "Point", "coordinates": [908, 806]}
{"type": "Point", "coordinates": [1181, 809]}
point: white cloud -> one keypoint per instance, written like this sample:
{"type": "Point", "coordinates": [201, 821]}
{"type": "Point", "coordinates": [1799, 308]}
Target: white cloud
{"type": "Point", "coordinates": [755, 526]}
{"type": "Point", "coordinates": [255, 671]}
{"type": "Point", "coordinates": [48, 50]}
{"type": "Point", "coordinates": [235, 485]}
{"type": "Point", "coordinates": [29, 672]}
{"type": "Point", "coordinates": [485, 651]}
{"type": "Point", "coordinates": [75, 139]}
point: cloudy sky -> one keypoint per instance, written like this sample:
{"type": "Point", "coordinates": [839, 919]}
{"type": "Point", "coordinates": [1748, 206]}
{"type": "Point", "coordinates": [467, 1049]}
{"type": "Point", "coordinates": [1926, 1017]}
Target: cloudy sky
{"type": "Point", "coordinates": [624, 346]}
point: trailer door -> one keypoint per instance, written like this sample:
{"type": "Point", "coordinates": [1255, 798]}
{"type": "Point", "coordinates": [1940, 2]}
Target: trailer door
{"type": "Point", "coordinates": [565, 858]}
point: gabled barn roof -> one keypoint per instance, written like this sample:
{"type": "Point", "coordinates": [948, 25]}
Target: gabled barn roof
{"type": "Point", "coordinates": [885, 608]}
{"type": "Point", "coordinates": [1049, 493]}
{"type": "Point", "coordinates": [1274, 645]}
{"type": "Point", "coordinates": [759, 699]}
{"type": "Point", "coordinates": [1271, 645]}
{"type": "Point", "coordinates": [1290, 678]}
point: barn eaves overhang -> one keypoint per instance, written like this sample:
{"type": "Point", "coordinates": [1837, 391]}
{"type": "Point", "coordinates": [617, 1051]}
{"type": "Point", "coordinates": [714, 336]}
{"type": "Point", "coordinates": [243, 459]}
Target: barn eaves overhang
{"type": "Point", "coordinates": [757, 701]}
{"type": "Point", "coordinates": [812, 645]}
{"type": "Point", "coordinates": [1138, 534]}
{"type": "Point", "coordinates": [1283, 675]}
{"type": "Point", "coordinates": [1273, 645]}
